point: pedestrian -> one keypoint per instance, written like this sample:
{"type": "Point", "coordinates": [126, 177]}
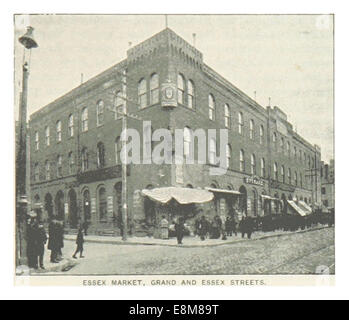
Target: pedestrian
{"type": "Point", "coordinates": [223, 232]}
{"type": "Point", "coordinates": [179, 227]}
{"type": "Point", "coordinates": [246, 227]}
{"type": "Point", "coordinates": [60, 239]}
{"type": "Point", "coordinates": [229, 226]}
{"type": "Point", "coordinates": [32, 230]}
{"type": "Point", "coordinates": [41, 240]}
{"type": "Point", "coordinates": [164, 228]}
{"type": "Point", "coordinates": [203, 228]}
{"type": "Point", "coordinates": [79, 243]}
{"type": "Point", "coordinates": [85, 226]}
{"type": "Point", "coordinates": [53, 240]}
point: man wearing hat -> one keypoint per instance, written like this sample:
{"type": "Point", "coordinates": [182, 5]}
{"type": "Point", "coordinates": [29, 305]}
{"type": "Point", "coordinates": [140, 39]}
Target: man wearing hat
{"type": "Point", "coordinates": [40, 242]}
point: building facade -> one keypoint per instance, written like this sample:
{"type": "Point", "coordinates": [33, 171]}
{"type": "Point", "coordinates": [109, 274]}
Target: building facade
{"type": "Point", "coordinates": [327, 184]}
{"type": "Point", "coordinates": [76, 172]}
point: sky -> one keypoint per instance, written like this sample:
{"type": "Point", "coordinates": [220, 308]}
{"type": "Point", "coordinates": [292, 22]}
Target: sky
{"type": "Point", "coordinates": [288, 58]}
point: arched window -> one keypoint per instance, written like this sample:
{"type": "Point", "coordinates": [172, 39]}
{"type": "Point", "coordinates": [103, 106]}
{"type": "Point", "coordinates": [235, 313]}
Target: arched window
{"type": "Point", "coordinates": [228, 154]}
{"type": "Point", "coordinates": [274, 140]}
{"type": "Point", "coordinates": [212, 151]}
{"type": "Point", "coordinates": [180, 86]}
{"type": "Point", "coordinates": [289, 176]}
{"type": "Point", "coordinates": [100, 155]}
{"type": "Point", "coordinates": [261, 134]}
{"type": "Point", "coordinates": [251, 129]}
{"type": "Point", "coordinates": [187, 139]}
{"type": "Point", "coordinates": [263, 167]}
{"type": "Point", "coordinates": [36, 172]}
{"type": "Point", "coordinates": [71, 125]}
{"type": "Point", "coordinates": [59, 166]}
{"type": "Point", "coordinates": [276, 173]}
{"type": "Point", "coordinates": [71, 161]}
{"type": "Point", "coordinates": [227, 117]}
{"type": "Point", "coordinates": [253, 164]}
{"type": "Point", "coordinates": [282, 144]}
{"type": "Point", "coordinates": [119, 103]}
{"type": "Point", "coordinates": [301, 180]}
{"type": "Point", "coordinates": [295, 153]}
{"type": "Point", "coordinates": [191, 94]}
{"type": "Point", "coordinates": [242, 161]}
{"type": "Point", "coordinates": [47, 135]}
{"type": "Point", "coordinates": [117, 150]}
{"type": "Point", "coordinates": [102, 204]}
{"type": "Point", "coordinates": [305, 158]}
{"type": "Point", "coordinates": [241, 122]}
{"type": "Point", "coordinates": [211, 107]}
{"type": "Point", "coordinates": [283, 174]}
{"type": "Point", "coordinates": [100, 112]}
{"type": "Point", "coordinates": [59, 130]}
{"type": "Point", "coordinates": [36, 140]}
{"type": "Point", "coordinates": [47, 170]}
{"type": "Point", "coordinates": [300, 155]}
{"type": "Point", "coordinates": [84, 158]}
{"type": "Point", "coordinates": [142, 93]}
{"type": "Point", "coordinates": [288, 148]}
{"type": "Point", "coordinates": [295, 178]}
{"type": "Point", "coordinates": [84, 119]}
{"type": "Point", "coordinates": [154, 89]}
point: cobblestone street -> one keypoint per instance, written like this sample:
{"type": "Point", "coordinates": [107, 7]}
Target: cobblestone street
{"type": "Point", "coordinates": [298, 253]}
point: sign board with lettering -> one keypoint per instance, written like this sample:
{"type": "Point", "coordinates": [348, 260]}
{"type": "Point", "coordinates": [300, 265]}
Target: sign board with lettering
{"type": "Point", "coordinates": [66, 208]}
{"type": "Point", "coordinates": [93, 205]}
{"type": "Point", "coordinates": [254, 180]}
{"type": "Point", "coordinates": [110, 204]}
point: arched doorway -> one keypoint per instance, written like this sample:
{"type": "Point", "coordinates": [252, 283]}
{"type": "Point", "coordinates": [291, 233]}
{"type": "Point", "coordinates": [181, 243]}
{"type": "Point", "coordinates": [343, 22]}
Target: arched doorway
{"type": "Point", "coordinates": [117, 212]}
{"type": "Point", "coordinates": [284, 201]}
{"type": "Point", "coordinates": [86, 206]}
{"type": "Point", "coordinates": [255, 203]}
{"type": "Point", "coordinates": [73, 209]}
{"type": "Point", "coordinates": [59, 205]}
{"type": "Point", "coordinates": [149, 209]}
{"type": "Point", "coordinates": [49, 206]}
{"type": "Point", "coordinates": [243, 200]}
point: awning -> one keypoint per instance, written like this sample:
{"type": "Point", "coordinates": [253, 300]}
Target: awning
{"type": "Point", "coordinates": [223, 191]}
{"type": "Point", "coordinates": [296, 208]}
{"type": "Point", "coordinates": [269, 197]}
{"type": "Point", "coordinates": [181, 195]}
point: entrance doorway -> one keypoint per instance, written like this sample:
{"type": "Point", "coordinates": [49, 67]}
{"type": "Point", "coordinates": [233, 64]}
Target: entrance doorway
{"type": "Point", "coordinates": [49, 206]}
{"type": "Point", "coordinates": [87, 206]}
{"type": "Point", "coordinates": [73, 218]}
{"type": "Point", "coordinates": [59, 205]}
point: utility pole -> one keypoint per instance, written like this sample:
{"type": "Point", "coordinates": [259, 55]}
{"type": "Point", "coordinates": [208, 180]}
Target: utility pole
{"type": "Point", "coordinates": [28, 42]}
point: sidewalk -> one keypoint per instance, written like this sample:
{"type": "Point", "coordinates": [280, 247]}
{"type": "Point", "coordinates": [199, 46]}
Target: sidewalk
{"type": "Point", "coordinates": [188, 242]}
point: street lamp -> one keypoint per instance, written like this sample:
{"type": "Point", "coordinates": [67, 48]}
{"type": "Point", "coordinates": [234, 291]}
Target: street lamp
{"type": "Point", "coordinates": [27, 40]}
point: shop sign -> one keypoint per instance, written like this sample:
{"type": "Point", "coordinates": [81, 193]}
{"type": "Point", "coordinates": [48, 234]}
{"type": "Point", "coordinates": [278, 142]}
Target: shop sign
{"type": "Point", "coordinates": [110, 204]}
{"type": "Point", "coordinates": [254, 180]}
{"type": "Point", "coordinates": [66, 208]}
{"type": "Point", "coordinates": [93, 205]}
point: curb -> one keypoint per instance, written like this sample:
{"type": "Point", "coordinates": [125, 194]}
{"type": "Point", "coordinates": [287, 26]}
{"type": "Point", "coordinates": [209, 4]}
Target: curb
{"type": "Point", "coordinates": [113, 242]}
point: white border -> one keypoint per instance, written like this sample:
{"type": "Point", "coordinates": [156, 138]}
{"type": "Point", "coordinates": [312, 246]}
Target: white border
{"type": "Point", "coordinates": [8, 291]}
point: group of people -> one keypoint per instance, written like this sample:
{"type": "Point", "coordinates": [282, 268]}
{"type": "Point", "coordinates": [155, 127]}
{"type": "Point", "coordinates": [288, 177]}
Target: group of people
{"type": "Point", "coordinates": [37, 239]}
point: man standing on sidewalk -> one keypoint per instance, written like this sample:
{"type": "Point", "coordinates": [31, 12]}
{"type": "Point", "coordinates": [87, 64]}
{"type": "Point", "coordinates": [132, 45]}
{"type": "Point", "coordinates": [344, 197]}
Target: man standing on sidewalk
{"type": "Point", "coordinates": [41, 241]}
{"type": "Point", "coordinates": [179, 227]}
{"type": "Point", "coordinates": [79, 243]}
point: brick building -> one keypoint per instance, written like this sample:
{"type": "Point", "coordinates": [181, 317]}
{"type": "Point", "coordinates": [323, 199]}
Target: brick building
{"type": "Point", "coordinates": [327, 184]}
{"type": "Point", "coordinates": [75, 144]}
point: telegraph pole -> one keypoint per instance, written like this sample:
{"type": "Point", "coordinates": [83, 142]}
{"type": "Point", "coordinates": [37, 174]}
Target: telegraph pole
{"type": "Point", "coordinates": [28, 42]}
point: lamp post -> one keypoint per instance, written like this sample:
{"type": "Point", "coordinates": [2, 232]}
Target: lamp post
{"type": "Point", "coordinates": [28, 42]}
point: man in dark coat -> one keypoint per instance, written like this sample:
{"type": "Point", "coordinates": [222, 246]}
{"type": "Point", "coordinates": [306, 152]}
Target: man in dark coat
{"type": "Point", "coordinates": [203, 228]}
{"type": "Point", "coordinates": [79, 243]}
{"type": "Point", "coordinates": [246, 227]}
{"type": "Point", "coordinates": [41, 239]}
{"type": "Point", "coordinates": [32, 230]}
{"type": "Point", "coordinates": [179, 227]}
{"type": "Point", "coordinates": [53, 244]}
{"type": "Point", "coordinates": [60, 239]}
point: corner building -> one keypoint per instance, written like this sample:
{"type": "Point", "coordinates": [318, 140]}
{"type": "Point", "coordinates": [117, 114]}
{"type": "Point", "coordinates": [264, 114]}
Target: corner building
{"type": "Point", "coordinates": [75, 144]}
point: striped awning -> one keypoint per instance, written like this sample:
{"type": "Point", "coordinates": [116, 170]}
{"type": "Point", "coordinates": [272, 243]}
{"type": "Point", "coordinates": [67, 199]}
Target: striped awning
{"type": "Point", "coordinates": [181, 195]}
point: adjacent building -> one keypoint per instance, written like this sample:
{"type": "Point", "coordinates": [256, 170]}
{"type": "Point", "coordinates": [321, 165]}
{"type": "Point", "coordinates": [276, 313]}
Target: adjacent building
{"type": "Point", "coordinates": [327, 184]}
{"type": "Point", "coordinates": [75, 144]}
